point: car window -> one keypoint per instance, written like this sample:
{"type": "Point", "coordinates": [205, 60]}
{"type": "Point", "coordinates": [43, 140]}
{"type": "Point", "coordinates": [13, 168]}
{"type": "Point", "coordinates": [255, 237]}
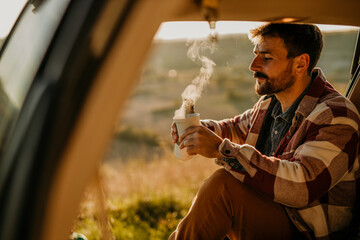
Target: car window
{"type": "Point", "coordinates": [9, 12]}
{"type": "Point", "coordinates": [146, 190]}
{"type": "Point", "coordinates": [22, 55]}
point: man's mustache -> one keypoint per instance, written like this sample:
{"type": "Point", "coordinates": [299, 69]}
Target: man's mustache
{"type": "Point", "coordinates": [260, 75]}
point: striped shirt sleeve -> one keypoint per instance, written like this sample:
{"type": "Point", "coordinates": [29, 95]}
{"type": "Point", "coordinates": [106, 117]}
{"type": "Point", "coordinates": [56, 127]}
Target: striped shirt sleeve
{"type": "Point", "coordinates": [326, 155]}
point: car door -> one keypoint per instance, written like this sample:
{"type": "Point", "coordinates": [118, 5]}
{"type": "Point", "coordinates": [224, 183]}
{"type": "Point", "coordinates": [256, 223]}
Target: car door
{"type": "Point", "coordinates": [48, 64]}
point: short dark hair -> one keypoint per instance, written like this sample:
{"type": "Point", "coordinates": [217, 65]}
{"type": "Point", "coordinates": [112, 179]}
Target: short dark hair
{"type": "Point", "coordinates": [299, 38]}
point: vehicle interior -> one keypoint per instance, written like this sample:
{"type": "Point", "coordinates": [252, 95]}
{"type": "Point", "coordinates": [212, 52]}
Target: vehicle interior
{"type": "Point", "coordinates": [88, 55]}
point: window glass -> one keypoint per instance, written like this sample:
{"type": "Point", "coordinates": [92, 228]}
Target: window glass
{"type": "Point", "coordinates": [22, 56]}
{"type": "Point", "coordinates": [147, 190]}
{"type": "Point", "coordinates": [9, 12]}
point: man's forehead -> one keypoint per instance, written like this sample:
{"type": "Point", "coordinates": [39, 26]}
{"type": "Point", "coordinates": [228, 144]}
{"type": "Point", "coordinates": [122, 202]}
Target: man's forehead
{"type": "Point", "coordinates": [270, 45]}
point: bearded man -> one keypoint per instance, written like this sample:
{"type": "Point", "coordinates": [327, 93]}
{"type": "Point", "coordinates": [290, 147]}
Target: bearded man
{"type": "Point", "coordinates": [291, 162]}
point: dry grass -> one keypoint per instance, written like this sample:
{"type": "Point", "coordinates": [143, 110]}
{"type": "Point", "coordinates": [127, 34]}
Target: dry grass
{"type": "Point", "coordinates": [166, 176]}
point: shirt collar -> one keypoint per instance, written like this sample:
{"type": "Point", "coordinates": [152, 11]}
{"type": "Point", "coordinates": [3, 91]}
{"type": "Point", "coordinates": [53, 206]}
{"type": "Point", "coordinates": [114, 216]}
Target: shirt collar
{"type": "Point", "coordinates": [290, 112]}
{"type": "Point", "coordinates": [318, 87]}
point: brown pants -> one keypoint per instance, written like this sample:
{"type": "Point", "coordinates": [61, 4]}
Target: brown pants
{"type": "Point", "coordinates": [226, 207]}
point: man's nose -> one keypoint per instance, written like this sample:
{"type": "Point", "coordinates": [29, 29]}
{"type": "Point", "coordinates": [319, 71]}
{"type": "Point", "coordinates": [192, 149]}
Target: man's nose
{"type": "Point", "coordinates": [254, 65]}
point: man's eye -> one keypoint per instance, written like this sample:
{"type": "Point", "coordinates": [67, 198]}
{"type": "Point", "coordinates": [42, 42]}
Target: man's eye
{"type": "Point", "coordinates": [267, 58]}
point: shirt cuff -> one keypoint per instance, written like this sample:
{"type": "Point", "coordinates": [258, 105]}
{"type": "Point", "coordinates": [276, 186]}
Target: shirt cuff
{"type": "Point", "coordinates": [226, 149]}
{"type": "Point", "coordinates": [242, 154]}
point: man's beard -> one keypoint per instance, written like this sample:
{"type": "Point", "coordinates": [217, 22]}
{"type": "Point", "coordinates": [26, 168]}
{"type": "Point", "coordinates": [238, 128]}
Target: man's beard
{"type": "Point", "coordinates": [275, 85]}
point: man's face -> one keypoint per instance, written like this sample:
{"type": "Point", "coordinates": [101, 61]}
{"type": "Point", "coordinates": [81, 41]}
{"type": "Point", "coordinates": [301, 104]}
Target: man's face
{"type": "Point", "coordinates": [272, 70]}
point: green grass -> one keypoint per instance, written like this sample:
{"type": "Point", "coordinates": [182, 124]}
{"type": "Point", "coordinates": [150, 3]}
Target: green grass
{"type": "Point", "coordinates": [147, 219]}
{"type": "Point", "coordinates": [141, 219]}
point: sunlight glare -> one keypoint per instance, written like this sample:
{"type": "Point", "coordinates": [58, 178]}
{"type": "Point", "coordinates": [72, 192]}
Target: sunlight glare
{"type": "Point", "coordinates": [201, 29]}
{"type": "Point", "coordinates": [9, 12]}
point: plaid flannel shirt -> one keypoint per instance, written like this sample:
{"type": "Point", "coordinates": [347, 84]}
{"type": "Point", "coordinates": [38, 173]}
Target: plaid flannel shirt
{"type": "Point", "coordinates": [313, 171]}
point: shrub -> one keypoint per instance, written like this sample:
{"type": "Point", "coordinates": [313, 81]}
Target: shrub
{"type": "Point", "coordinates": [154, 219]}
{"type": "Point", "coordinates": [140, 220]}
{"type": "Point", "coordinates": [141, 136]}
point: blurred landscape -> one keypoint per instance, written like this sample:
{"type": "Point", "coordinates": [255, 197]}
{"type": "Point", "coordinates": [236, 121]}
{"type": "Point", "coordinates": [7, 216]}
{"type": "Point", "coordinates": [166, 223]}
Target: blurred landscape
{"type": "Point", "coordinates": [147, 191]}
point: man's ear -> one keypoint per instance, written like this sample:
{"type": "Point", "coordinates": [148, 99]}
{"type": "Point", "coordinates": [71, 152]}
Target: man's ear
{"type": "Point", "coordinates": [302, 63]}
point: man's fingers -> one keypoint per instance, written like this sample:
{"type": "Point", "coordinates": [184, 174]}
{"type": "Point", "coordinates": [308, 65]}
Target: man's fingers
{"type": "Point", "coordinates": [174, 133]}
{"type": "Point", "coordinates": [191, 150]}
{"type": "Point", "coordinates": [174, 138]}
{"type": "Point", "coordinates": [184, 143]}
{"type": "Point", "coordinates": [188, 131]}
{"type": "Point", "coordinates": [173, 128]}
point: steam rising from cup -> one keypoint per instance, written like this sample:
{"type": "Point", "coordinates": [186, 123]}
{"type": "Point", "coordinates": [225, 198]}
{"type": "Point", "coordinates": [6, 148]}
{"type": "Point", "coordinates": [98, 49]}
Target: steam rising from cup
{"type": "Point", "coordinates": [185, 116]}
{"type": "Point", "coordinates": [193, 91]}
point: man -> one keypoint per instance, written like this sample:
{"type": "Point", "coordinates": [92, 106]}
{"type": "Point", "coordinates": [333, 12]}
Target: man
{"type": "Point", "coordinates": [290, 162]}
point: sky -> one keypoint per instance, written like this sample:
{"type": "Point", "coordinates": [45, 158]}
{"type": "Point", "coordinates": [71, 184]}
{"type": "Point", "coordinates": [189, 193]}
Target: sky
{"type": "Point", "coordinates": [183, 30]}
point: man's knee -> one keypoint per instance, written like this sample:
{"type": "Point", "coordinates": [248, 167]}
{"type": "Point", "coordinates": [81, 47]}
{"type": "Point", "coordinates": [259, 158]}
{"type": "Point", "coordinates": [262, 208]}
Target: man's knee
{"type": "Point", "coordinates": [222, 175]}
{"type": "Point", "coordinates": [220, 181]}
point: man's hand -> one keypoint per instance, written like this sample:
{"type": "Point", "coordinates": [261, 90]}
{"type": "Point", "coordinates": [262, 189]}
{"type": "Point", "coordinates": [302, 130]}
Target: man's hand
{"type": "Point", "coordinates": [200, 140]}
{"type": "Point", "coordinates": [174, 133]}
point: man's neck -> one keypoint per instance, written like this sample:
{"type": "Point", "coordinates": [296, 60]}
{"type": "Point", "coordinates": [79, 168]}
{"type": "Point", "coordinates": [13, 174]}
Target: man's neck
{"type": "Point", "coordinates": [289, 96]}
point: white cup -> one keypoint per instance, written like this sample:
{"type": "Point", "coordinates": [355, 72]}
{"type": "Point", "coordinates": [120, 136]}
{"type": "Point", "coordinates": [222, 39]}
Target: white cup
{"type": "Point", "coordinates": [192, 119]}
